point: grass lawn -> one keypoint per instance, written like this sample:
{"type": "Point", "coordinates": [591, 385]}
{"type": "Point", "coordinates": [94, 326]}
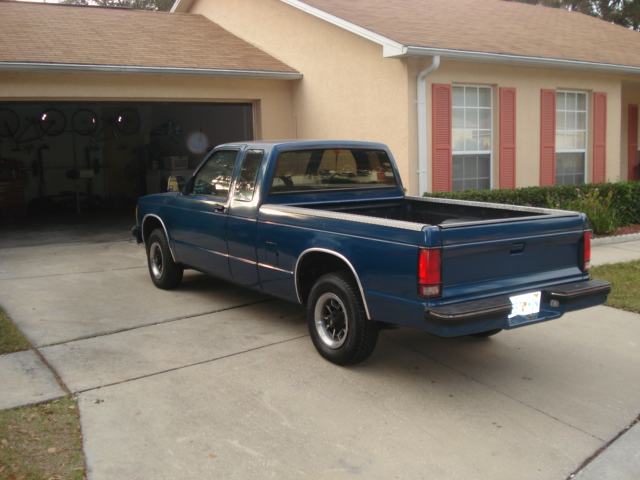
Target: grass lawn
{"type": "Point", "coordinates": [625, 282]}
{"type": "Point", "coordinates": [11, 340]}
{"type": "Point", "coordinates": [39, 442]}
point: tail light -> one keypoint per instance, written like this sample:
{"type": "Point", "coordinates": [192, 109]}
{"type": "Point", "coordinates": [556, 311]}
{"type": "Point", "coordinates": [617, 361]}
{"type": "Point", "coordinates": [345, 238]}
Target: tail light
{"type": "Point", "coordinates": [430, 272]}
{"type": "Point", "coordinates": [586, 249]}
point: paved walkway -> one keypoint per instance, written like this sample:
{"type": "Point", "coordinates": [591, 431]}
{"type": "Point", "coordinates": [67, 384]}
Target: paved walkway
{"type": "Point", "coordinates": [219, 382]}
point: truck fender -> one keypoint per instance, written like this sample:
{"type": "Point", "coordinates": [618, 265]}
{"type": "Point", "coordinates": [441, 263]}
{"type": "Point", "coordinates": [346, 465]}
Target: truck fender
{"type": "Point", "coordinates": [149, 224]}
{"type": "Point", "coordinates": [342, 259]}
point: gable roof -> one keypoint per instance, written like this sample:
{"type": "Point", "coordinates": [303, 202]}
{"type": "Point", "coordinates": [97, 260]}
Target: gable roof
{"type": "Point", "coordinates": [495, 31]}
{"type": "Point", "coordinates": [50, 37]}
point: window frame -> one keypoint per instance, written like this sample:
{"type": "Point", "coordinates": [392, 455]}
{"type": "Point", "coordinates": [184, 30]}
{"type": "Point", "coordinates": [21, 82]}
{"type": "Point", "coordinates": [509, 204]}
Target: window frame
{"type": "Point", "coordinates": [491, 129]}
{"type": "Point", "coordinates": [587, 134]}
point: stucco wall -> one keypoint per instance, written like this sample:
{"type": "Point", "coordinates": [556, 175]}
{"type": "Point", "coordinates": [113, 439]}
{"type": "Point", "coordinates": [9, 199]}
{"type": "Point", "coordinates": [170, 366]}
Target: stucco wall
{"type": "Point", "coordinates": [349, 91]}
{"type": "Point", "coordinates": [272, 98]}
{"type": "Point", "coordinates": [528, 82]}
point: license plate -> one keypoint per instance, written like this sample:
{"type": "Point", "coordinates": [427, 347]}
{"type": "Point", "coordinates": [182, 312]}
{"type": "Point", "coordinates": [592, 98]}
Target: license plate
{"type": "Point", "coordinates": [526, 304]}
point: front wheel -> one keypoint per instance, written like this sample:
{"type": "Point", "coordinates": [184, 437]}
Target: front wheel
{"type": "Point", "coordinates": [165, 273]}
{"type": "Point", "coordinates": [337, 322]}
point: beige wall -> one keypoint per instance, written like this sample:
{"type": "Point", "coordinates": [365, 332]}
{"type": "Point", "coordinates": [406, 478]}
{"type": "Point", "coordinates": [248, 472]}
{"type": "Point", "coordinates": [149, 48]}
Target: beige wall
{"type": "Point", "coordinates": [528, 81]}
{"type": "Point", "coordinates": [272, 98]}
{"type": "Point", "coordinates": [349, 91]}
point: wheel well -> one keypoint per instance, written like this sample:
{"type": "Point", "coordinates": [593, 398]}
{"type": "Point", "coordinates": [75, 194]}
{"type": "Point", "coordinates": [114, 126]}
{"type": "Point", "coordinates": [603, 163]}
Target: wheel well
{"type": "Point", "coordinates": [149, 225]}
{"type": "Point", "coordinates": [313, 266]}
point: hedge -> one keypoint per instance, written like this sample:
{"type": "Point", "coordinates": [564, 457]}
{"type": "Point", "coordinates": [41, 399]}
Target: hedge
{"type": "Point", "coordinates": [626, 196]}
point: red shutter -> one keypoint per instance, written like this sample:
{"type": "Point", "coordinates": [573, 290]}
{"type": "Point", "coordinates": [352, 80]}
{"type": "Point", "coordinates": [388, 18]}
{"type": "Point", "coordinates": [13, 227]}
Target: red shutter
{"type": "Point", "coordinates": [599, 137]}
{"type": "Point", "coordinates": [633, 143]}
{"type": "Point", "coordinates": [507, 138]}
{"type": "Point", "coordinates": [547, 137]}
{"type": "Point", "coordinates": [441, 137]}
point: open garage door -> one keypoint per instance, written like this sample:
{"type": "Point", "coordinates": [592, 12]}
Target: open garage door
{"type": "Point", "coordinates": [94, 157]}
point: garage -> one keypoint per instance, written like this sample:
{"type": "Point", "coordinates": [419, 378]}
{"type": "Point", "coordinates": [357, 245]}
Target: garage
{"type": "Point", "coordinates": [91, 157]}
{"type": "Point", "coordinates": [99, 106]}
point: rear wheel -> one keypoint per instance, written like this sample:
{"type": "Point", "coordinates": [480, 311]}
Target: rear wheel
{"type": "Point", "coordinates": [337, 321]}
{"type": "Point", "coordinates": [165, 273]}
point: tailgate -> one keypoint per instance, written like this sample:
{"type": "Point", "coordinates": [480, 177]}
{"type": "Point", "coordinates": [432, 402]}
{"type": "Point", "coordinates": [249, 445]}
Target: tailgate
{"type": "Point", "coordinates": [485, 259]}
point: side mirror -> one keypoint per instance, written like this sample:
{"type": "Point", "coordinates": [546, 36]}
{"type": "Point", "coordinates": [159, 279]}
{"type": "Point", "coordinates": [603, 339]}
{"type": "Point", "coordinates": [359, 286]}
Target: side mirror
{"type": "Point", "coordinates": [188, 186]}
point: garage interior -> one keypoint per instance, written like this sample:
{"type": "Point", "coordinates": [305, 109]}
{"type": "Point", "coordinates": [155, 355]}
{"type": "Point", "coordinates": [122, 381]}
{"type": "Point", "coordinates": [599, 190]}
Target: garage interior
{"type": "Point", "coordinates": [75, 163]}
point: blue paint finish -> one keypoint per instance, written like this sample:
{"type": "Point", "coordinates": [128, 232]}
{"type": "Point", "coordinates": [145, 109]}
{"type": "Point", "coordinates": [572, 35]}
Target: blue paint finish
{"type": "Point", "coordinates": [373, 231]}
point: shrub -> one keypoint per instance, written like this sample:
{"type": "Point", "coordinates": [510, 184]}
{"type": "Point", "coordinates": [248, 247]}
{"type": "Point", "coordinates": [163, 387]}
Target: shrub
{"type": "Point", "coordinates": [625, 196]}
{"type": "Point", "coordinates": [603, 218]}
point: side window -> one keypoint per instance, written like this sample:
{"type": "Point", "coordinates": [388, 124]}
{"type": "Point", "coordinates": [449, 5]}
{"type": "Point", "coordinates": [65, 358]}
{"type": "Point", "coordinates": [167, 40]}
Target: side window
{"type": "Point", "coordinates": [246, 183]}
{"type": "Point", "coordinates": [214, 178]}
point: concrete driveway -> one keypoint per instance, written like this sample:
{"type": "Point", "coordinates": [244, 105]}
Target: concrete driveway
{"type": "Point", "coordinates": [215, 381]}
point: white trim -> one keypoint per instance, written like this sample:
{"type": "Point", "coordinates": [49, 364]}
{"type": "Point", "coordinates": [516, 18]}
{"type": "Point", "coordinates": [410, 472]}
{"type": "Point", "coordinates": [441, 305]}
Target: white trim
{"type": "Point", "coordinates": [137, 70]}
{"type": "Point", "coordinates": [505, 58]}
{"type": "Point", "coordinates": [345, 260]}
{"type": "Point", "coordinates": [491, 109]}
{"type": "Point", "coordinates": [391, 48]}
{"type": "Point", "coordinates": [587, 136]}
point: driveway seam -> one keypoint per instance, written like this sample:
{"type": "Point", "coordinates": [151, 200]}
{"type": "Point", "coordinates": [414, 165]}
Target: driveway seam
{"type": "Point", "coordinates": [53, 371]}
{"type": "Point", "coordinates": [182, 367]}
{"type": "Point", "coordinates": [162, 322]}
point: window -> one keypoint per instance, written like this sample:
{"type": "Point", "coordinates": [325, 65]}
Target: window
{"type": "Point", "coordinates": [320, 169]}
{"type": "Point", "coordinates": [571, 137]}
{"type": "Point", "coordinates": [214, 178]}
{"type": "Point", "coordinates": [471, 137]}
{"type": "Point", "coordinates": [246, 182]}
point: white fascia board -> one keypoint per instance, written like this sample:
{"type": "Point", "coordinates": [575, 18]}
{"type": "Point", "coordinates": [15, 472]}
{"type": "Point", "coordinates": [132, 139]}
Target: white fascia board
{"type": "Point", "coordinates": [391, 48]}
{"type": "Point", "coordinates": [181, 6]}
{"type": "Point", "coordinates": [507, 59]}
{"type": "Point", "coordinates": [136, 70]}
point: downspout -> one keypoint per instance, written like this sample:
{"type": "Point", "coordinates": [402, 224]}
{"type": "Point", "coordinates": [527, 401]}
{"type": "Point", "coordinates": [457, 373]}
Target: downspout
{"type": "Point", "coordinates": [422, 122]}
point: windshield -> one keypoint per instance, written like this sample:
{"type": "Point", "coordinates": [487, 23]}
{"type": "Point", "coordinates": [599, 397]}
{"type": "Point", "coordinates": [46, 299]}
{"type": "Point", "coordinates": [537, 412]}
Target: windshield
{"type": "Point", "coordinates": [329, 169]}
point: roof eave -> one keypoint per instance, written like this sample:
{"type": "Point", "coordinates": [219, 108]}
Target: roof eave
{"type": "Point", "coordinates": [181, 6]}
{"type": "Point", "coordinates": [507, 59]}
{"type": "Point", "coordinates": [141, 70]}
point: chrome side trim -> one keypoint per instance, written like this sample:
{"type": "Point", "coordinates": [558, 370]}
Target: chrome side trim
{"type": "Point", "coordinates": [345, 260]}
{"type": "Point", "coordinates": [243, 260]}
{"type": "Point", "coordinates": [166, 233]}
{"type": "Point", "coordinates": [271, 267]}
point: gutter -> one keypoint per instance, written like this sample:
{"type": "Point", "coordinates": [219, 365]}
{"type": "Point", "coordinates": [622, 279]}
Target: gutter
{"type": "Point", "coordinates": [509, 59]}
{"type": "Point", "coordinates": [139, 70]}
{"type": "Point", "coordinates": [421, 86]}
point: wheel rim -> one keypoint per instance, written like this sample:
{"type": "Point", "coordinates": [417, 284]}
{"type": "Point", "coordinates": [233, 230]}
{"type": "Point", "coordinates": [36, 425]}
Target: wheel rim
{"type": "Point", "coordinates": [155, 259]}
{"type": "Point", "coordinates": [331, 320]}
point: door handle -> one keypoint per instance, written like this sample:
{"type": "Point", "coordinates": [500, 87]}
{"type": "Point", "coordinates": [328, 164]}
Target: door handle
{"type": "Point", "coordinates": [219, 208]}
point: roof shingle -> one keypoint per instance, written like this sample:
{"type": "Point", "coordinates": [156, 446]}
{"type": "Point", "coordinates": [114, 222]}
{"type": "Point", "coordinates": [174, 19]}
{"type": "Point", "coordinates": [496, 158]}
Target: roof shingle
{"type": "Point", "coordinates": [63, 34]}
{"type": "Point", "coordinates": [491, 26]}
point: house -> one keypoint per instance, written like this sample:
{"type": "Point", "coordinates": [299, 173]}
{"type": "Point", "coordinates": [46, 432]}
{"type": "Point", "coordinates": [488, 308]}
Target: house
{"type": "Point", "coordinates": [467, 93]}
{"type": "Point", "coordinates": [190, 83]}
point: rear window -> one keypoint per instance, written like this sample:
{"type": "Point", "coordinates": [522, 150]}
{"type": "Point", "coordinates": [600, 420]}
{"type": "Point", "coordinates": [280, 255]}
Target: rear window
{"type": "Point", "coordinates": [330, 169]}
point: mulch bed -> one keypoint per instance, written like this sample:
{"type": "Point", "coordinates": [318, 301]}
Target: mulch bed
{"type": "Point", "coordinates": [635, 228]}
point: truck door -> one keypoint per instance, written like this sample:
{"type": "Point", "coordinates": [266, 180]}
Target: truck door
{"type": "Point", "coordinates": [199, 219]}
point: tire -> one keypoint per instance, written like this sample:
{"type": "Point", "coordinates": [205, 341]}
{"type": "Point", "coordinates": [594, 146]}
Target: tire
{"type": "Point", "coordinates": [337, 322]}
{"type": "Point", "coordinates": [165, 273]}
{"type": "Point", "coordinates": [486, 334]}
{"type": "Point", "coordinates": [84, 122]}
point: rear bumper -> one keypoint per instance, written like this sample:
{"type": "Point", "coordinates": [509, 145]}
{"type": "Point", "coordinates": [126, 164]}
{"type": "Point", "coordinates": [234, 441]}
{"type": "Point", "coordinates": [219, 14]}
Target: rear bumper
{"type": "Point", "coordinates": [491, 313]}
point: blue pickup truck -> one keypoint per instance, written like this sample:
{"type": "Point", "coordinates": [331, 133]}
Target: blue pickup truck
{"type": "Point", "coordinates": [328, 225]}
